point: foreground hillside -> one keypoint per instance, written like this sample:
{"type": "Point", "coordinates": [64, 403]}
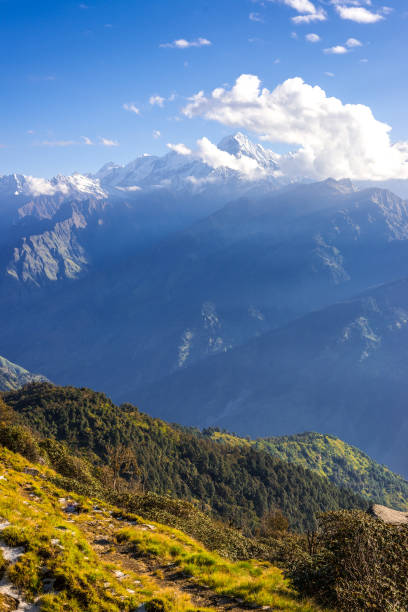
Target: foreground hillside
{"type": "Point", "coordinates": [62, 552]}
{"type": "Point", "coordinates": [343, 464]}
{"type": "Point", "coordinates": [85, 537]}
{"type": "Point", "coordinates": [234, 483]}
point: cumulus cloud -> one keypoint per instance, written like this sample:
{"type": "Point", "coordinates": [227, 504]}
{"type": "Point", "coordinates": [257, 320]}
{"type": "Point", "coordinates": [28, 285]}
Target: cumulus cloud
{"type": "Point", "coordinates": [309, 11]}
{"type": "Point", "coordinates": [313, 38]}
{"type": "Point", "coordinates": [180, 148]}
{"type": "Point", "coordinates": [214, 157]}
{"type": "Point", "coordinates": [301, 6]}
{"type": "Point", "coordinates": [319, 15]}
{"type": "Point", "coordinates": [40, 186]}
{"type": "Point", "coordinates": [336, 50]}
{"type": "Point", "coordinates": [157, 101]}
{"type": "Point", "coordinates": [131, 107]}
{"type": "Point", "coordinates": [87, 140]}
{"type": "Point", "coordinates": [210, 154]}
{"type": "Point", "coordinates": [156, 134]}
{"type": "Point", "coordinates": [330, 138]}
{"type": "Point", "coordinates": [109, 143]}
{"type": "Point", "coordinates": [359, 14]}
{"type": "Point", "coordinates": [182, 43]}
{"type": "Point", "coordinates": [353, 42]}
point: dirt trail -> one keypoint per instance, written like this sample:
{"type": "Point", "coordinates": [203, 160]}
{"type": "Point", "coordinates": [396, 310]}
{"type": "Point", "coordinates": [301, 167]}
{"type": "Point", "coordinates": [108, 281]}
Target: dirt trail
{"type": "Point", "coordinates": [102, 538]}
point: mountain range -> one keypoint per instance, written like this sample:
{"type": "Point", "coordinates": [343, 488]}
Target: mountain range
{"type": "Point", "coordinates": [263, 306]}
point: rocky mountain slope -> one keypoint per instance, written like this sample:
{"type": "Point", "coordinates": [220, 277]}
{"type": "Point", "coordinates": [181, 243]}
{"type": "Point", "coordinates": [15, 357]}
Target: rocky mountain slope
{"type": "Point", "coordinates": [13, 376]}
{"type": "Point", "coordinates": [55, 229]}
{"type": "Point", "coordinates": [252, 266]}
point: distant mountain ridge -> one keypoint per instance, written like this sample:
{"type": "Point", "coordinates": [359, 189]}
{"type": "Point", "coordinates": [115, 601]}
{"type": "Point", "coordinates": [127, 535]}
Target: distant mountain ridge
{"type": "Point", "coordinates": [13, 376]}
{"type": "Point", "coordinates": [136, 280]}
{"type": "Point", "coordinates": [341, 370]}
{"type": "Point", "coordinates": [50, 227]}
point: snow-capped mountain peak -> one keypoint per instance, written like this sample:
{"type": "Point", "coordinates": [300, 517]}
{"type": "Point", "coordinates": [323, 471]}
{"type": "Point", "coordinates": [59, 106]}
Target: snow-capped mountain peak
{"type": "Point", "coordinates": [238, 145]}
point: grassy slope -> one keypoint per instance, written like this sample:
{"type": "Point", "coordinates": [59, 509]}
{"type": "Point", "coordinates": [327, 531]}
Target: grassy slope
{"type": "Point", "coordinates": [60, 550]}
{"type": "Point", "coordinates": [343, 464]}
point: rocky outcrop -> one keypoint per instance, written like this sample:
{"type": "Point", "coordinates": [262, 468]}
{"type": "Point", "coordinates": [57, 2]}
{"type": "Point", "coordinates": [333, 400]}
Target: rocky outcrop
{"type": "Point", "coordinates": [388, 515]}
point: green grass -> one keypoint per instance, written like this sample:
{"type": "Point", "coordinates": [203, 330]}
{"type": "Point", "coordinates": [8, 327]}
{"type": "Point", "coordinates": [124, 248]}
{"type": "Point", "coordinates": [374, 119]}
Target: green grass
{"type": "Point", "coordinates": [56, 550]}
{"type": "Point", "coordinates": [253, 582]}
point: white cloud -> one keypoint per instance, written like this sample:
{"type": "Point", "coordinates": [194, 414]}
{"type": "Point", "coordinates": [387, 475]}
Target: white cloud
{"type": "Point", "coordinates": [157, 101]}
{"type": "Point", "coordinates": [353, 42]}
{"type": "Point", "coordinates": [359, 14]}
{"type": "Point", "coordinates": [131, 107]}
{"type": "Point", "coordinates": [293, 35]}
{"type": "Point", "coordinates": [332, 138]}
{"type": "Point", "coordinates": [320, 15]}
{"type": "Point", "coordinates": [109, 143]}
{"type": "Point", "coordinates": [130, 188]}
{"type": "Point", "coordinates": [336, 50]}
{"type": "Point", "coordinates": [210, 154]}
{"type": "Point", "coordinates": [156, 134]}
{"type": "Point", "coordinates": [301, 6]}
{"type": "Point", "coordinates": [214, 157]}
{"type": "Point", "coordinates": [182, 43]}
{"type": "Point", "coordinates": [180, 148]}
{"type": "Point", "coordinates": [40, 186]}
{"type": "Point", "coordinates": [256, 17]}
{"type": "Point", "coordinates": [329, 74]}
{"type": "Point", "coordinates": [87, 140]}
{"type": "Point", "coordinates": [313, 38]}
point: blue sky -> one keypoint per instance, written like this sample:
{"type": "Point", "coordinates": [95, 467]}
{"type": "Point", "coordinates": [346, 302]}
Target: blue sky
{"type": "Point", "coordinates": [68, 68]}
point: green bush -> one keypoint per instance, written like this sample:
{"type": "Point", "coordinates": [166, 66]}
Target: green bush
{"type": "Point", "coordinates": [19, 439]}
{"type": "Point", "coordinates": [358, 563]}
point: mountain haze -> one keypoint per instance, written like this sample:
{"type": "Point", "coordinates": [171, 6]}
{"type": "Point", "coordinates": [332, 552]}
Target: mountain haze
{"type": "Point", "coordinates": [226, 294]}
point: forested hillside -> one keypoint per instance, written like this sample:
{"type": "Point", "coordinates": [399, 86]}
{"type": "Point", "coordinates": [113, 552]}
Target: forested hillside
{"type": "Point", "coordinates": [237, 484]}
{"type": "Point", "coordinates": [343, 464]}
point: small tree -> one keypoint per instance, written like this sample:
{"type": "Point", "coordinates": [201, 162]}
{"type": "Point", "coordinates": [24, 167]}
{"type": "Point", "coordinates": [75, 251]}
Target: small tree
{"type": "Point", "coordinates": [122, 463]}
{"type": "Point", "coordinates": [273, 523]}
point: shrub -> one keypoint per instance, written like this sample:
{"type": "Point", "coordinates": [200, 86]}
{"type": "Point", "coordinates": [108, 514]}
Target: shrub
{"type": "Point", "coordinates": [19, 439]}
{"type": "Point", "coordinates": [360, 563]}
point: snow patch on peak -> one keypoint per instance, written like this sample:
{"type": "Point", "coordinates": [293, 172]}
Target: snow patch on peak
{"type": "Point", "coordinates": [77, 185]}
